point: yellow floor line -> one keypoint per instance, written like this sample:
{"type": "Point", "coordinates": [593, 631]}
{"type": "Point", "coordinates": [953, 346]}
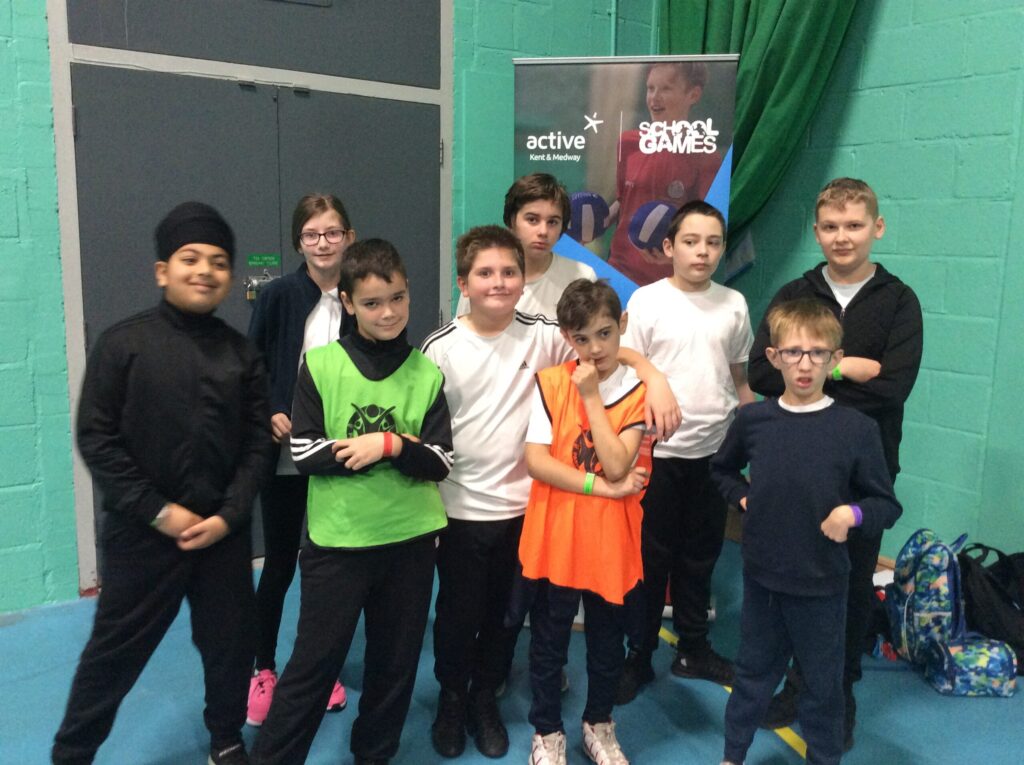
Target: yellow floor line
{"type": "Point", "coordinates": [790, 736]}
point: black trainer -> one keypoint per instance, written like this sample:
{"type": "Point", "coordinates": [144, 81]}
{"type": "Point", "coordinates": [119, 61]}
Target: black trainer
{"type": "Point", "coordinates": [229, 755]}
{"type": "Point", "coordinates": [483, 721]}
{"type": "Point", "coordinates": [448, 733]}
{"type": "Point", "coordinates": [636, 673]}
{"type": "Point", "coordinates": [704, 664]}
{"type": "Point", "coordinates": [782, 708]}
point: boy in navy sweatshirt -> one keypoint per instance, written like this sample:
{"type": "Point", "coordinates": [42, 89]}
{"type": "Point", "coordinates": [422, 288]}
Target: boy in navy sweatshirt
{"type": "Point", "coordinates": [817, 470]}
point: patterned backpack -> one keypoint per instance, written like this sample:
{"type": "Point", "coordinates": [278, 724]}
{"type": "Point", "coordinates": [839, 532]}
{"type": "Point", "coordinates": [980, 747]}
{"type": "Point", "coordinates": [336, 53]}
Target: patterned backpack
{"type": "Point", "coordinates": [925, 601]}
{"type": "Point", "coordinates": [975, 666]}
{"type": "Point", "coordinates": [925, 605]}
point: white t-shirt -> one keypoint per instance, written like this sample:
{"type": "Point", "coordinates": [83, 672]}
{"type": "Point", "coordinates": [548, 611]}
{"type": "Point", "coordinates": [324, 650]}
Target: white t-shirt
{"type": "Point", "coordinates": [488, 382]}
{"type": "Point", "coordinates": [822, 403]}
{"type": "Point", "coordinates": [844, 293]}
{"type": "Point", "coordinates": [323, 326]}
{"type": "Point", "coordinates": [541, 295]}
{"type": "Point", "coordinates": [692, 338]}
{"type": "Point", "coordinates": [618, 384]}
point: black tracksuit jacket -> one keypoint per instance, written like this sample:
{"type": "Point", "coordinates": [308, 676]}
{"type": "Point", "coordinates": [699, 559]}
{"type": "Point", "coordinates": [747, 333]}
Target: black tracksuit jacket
{"type": "Point", "coordinates": [173, 409]}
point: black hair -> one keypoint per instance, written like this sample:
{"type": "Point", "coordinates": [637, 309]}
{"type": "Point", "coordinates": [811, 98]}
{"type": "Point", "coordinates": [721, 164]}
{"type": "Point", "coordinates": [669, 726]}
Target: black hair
{"type": "Point", "coordinates": [694, 207]}
{"type": "Point", "coordinates": [371, 257]}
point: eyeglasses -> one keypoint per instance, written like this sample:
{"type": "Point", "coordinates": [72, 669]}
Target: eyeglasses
{"type": "Point", "coordinates": [818, 356]}
{"type": "Point", "coordinates": [332, 235]}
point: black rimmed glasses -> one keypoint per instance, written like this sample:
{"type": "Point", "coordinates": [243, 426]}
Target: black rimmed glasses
{"type": "Point", "coordinates": [332, 235]}
{"type": "Point", "coordinates": [818, 356]}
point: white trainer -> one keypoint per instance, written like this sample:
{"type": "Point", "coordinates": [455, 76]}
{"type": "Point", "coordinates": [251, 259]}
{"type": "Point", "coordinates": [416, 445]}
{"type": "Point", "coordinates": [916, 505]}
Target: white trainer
{"type": "Point", "coordinates": [600, 744]}
{"type": "Point", "coordinates": [548, 750]}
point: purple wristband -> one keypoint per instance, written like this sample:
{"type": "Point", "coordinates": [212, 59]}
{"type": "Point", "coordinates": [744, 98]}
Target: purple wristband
{"type": "Point", "coordinates": [858, 515]}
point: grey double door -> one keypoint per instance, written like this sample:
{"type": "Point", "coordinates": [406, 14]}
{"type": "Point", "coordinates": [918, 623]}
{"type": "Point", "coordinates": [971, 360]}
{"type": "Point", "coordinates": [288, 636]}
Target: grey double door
{"type": "Point", "coordinates": [145, 141]}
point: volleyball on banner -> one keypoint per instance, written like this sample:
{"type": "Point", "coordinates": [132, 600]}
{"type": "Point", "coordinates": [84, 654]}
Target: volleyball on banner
{"type": "Point", "coordinates": [632, 139]}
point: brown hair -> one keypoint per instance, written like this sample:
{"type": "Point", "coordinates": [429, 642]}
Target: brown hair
{"type": "Point", "coordinates": [809, 315]}
{"type": "Point", "coordinates": [583, 300]}
{"type": "Point", "coordinates": [840, 192]}
{"type": "Point", "coordinates": [312, 205]}
{"type": "Point", "coordinates": [482, 238]}
{"type": "Point", "coordinates": [531, 188]}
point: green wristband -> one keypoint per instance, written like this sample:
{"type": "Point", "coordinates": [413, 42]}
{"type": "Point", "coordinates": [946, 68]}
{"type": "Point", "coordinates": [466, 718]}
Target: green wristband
{"type": "Point", "coordinates": [836, 374]}
{"type": "Point", "coordinates": [588, 484]}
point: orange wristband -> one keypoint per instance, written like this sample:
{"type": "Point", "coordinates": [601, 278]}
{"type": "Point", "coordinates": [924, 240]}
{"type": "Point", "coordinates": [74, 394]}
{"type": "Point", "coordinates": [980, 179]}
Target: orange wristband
{"type": "Point", "coordinates": [388, 443]}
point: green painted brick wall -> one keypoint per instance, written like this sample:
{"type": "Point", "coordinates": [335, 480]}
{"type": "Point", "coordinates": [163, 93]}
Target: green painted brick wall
{"type": "Point", "coordinates": [38, 557]}
{"type": "Point", "coordinates": [925, 105]}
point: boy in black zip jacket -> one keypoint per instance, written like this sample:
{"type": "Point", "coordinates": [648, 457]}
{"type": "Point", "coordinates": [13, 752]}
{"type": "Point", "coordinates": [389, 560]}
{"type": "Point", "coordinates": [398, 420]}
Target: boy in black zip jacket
{"type": "Point", "coordinates": [882, 330]}
{"type": "Point", "coordinates": [817, 473]}
{"type": "Point", "coordinates": [173, 424]}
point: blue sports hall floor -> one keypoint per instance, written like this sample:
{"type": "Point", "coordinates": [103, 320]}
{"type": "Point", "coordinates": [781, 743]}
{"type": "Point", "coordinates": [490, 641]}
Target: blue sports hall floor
{"type": "Point", "coordinates": [901, 720]}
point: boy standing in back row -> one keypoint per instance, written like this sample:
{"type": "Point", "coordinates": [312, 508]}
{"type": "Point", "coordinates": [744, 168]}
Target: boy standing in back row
{"type": "Point", "coordinates": [698, 333]}
{"type": "Point", "coordinates": [881, 321]}
{"type": "Point", "coordinates": [537, 211]}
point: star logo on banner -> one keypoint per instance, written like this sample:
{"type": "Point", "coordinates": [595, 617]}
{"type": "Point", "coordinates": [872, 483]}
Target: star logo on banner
{"type": "Point", "coordinates": [592, 122]}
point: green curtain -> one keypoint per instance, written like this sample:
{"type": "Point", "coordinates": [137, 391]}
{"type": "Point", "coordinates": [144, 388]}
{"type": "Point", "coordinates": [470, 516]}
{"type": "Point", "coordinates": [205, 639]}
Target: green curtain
{"type": "Point", "coordinates": [787, 50]}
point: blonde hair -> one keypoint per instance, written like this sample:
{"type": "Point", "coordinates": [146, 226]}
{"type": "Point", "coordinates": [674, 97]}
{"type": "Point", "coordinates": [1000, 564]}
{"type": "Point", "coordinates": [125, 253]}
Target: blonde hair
{"type": "Point", "coordinates": [808, 315]}
{"type": "Point", "coordinates": [843, 191]}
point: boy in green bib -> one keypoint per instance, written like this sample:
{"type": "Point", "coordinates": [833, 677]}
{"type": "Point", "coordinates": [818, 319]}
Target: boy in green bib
{"type": "Point", "coordinates": [370, 425]}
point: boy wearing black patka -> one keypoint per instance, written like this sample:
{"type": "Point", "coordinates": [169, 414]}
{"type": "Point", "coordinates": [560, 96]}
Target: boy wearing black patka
{"type": "Point", "coordinates": [173, 424]}
{"type": "Point", "coordinates": [817, 470]}
{"type": "Point", "coordinates": [370, 426]}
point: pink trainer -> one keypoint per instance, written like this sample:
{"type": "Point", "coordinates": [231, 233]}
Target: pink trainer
{"type": "Point", "coordinates": [338, 700]}
{"type": "Point", "coordinates": [261, 693]}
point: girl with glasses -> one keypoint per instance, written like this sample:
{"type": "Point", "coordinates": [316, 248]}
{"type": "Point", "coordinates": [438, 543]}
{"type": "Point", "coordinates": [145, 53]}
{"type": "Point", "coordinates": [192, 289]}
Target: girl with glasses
{"type": "Point", "coordinates": [299, 311]}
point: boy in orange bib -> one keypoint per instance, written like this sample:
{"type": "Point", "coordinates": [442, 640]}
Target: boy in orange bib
{"type": "Point", "coordinates": [581, 535]}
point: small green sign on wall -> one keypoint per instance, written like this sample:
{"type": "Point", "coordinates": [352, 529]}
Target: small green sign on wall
{"type": "Point", "coordinates": [264, 260]}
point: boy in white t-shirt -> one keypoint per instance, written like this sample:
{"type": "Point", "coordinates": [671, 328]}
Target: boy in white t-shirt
{"type": "Point", "coordinates": [489, 358]}
{"type": "Point", "coordinates": [698, 333]}
{"type": "Point", "coordinates": [537, 211]}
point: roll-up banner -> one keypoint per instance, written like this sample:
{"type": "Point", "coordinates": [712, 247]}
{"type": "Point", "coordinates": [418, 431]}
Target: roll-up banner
{"type": "Point", "coordinates": [631, 139]}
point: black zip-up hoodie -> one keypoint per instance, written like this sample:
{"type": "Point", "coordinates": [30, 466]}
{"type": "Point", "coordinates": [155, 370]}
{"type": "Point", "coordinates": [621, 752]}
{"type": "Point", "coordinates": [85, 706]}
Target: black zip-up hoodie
{"type": "Point", "coordinates": [882, 322]}
{"type": "Point", "coordinates": [173, 409]}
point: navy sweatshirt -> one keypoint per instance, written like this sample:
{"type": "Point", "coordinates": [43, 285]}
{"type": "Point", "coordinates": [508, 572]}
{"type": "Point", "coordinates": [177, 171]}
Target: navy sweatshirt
{"type": "Point", "coordinates": [802, 466]}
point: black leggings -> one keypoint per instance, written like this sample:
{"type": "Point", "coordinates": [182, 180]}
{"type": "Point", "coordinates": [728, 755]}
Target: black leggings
{"type": "Point", "coordinates": [283, 503]}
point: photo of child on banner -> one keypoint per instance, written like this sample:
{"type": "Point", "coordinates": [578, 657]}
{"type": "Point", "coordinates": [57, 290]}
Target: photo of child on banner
{"type": "Point", "coordinates": [632, 140]}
